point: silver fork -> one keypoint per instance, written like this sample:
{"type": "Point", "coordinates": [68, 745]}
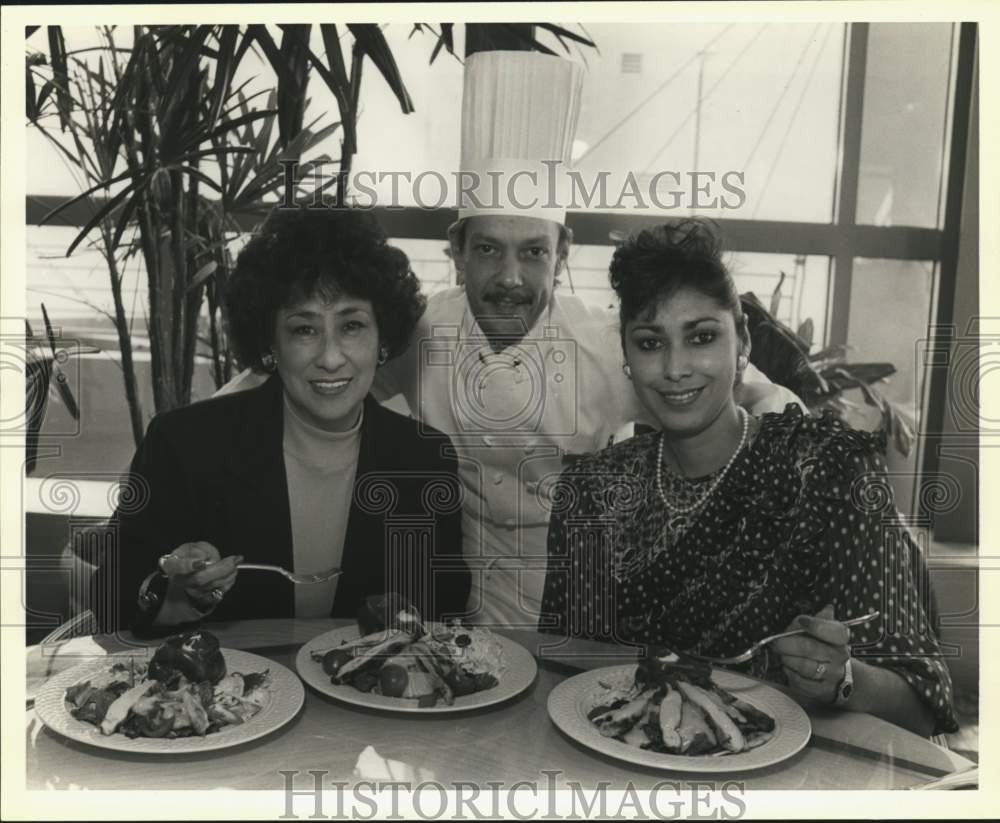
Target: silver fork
{"type": "Point", "coordinates": [760, 644]}
{"type": "Point", "coordinates": [317, 577]}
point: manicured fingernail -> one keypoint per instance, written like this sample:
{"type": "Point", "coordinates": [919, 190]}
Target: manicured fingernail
{"type": "Point", "coordinates": [198, 565]}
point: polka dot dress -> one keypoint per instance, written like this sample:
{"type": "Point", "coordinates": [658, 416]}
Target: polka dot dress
{"type": "Point", "coordinates": [804, 517]}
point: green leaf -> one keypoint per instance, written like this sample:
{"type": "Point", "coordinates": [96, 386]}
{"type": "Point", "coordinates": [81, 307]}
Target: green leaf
{"type": "Point", "coordinates": [31, 107]}
{"type": "Point", "coordinates": [776, 296]}
{"type": "Point", "coordinates": [202, 275]}
{"type": "Point", "coordinates": [224, 68]}
{"type": "Point", "coordinates": [835, 352]}
{"type": "Point", "coordinates": [98, 216]}
{"type": "Point", "coordinates": [123, 220]}
{"type": "Point", "coordinates": [806, 331]}
{"type": "Point", "coordinates": [231, 125]}
{"type": "Point", "coordinates": [104, 184]}
{"type": "Point", "coordinates": [60, 75]}
{"type": "Point", "coordinates": [369, 36]}
{"type": "Point", "coordinates": [337, 81]}
{"type": "Point", "coordinates": [200, 175]}
{"type": "Point", "coordinates": [560, 32]}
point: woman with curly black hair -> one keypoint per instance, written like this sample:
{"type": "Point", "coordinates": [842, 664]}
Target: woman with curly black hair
{"type": "Point", "coordinates": [306, 471]}
{"type": "Point", "coordinates": [721, 528]}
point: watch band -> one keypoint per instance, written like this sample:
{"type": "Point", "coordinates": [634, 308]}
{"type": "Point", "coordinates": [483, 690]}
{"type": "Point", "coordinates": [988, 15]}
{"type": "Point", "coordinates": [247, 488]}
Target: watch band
{"type": "Point", "coordinates": [846, 686]}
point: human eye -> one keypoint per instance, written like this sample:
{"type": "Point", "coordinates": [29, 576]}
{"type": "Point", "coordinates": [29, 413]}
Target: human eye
{"type": "Point", "coordinates": [537, 252]}
{"type": "Point", "coordinates": [648, 344]}
{"type": "Point", "coordinates": [485, 249]}
{"type": "Point", "coordinates": [703, 337]}
{"type": "Point", "coordinates": [354, 326]}
{"type": "Point", "coordinates": [303, 330]}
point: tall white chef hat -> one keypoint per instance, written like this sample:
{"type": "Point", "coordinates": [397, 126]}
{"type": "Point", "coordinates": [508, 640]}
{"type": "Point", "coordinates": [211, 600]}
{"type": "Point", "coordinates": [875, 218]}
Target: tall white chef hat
{"type": "Point", "coordinates": [519, 116]}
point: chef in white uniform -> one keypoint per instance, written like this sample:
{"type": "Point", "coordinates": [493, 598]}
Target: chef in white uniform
{"type": "Point", "coordinates": [521, 375]}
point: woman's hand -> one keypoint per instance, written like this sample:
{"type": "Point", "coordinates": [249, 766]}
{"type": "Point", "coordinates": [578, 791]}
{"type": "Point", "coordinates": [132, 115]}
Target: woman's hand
{"type": "Point", "coordinates": [199, 574]}
{"type": "Point", "coordinates": [814, 662]}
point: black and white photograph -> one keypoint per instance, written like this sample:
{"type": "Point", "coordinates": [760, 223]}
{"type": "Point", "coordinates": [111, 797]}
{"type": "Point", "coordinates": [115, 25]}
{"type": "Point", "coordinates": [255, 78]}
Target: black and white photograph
{"type": "Point", "coordinates": [562, 419]}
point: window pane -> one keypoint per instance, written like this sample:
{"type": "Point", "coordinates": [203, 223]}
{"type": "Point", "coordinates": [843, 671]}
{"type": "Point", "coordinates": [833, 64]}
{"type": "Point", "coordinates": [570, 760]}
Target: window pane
{"type": "Point", "coordinates": [891, 302]}
{"type": "Point", "coordinates": [429, 262]}
{"type": "Point", "coordinates": [769, 102]}
{"type": "Point", "coordinates": [803, 292]}
{"type": "Point", "coordinates": [903, 129]}
{"type": "Point", "coordinates": [890, 312]}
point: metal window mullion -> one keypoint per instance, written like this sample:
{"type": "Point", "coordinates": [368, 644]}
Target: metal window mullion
{"type": "Point", "coordinates": [936, 392]}
{"type": "Point", "coordinates": [850, 172]}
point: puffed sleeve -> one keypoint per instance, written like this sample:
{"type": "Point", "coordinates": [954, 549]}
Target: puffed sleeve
{"type": "Point", "coordinates": [875, 565]}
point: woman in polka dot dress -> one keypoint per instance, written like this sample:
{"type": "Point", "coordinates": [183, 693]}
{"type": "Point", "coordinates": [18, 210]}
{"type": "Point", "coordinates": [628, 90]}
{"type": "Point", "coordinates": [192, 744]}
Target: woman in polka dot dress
{"type": "Point", "coordinates": [721, 528]}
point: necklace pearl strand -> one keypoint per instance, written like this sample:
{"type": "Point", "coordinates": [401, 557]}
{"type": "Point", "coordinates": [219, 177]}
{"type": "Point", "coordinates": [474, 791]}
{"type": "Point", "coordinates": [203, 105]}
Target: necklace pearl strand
{"type": "Point", "coordinates": [679, 516]}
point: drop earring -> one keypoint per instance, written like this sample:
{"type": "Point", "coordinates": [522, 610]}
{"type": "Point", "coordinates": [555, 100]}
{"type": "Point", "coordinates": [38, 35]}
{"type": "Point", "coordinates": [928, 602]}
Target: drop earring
{"type": "Point", "coordinates": [269, 361]}
{"type": "Point", "coordinates": [627, 369]}
{"type": "Point", "coordinates": [383, 355]}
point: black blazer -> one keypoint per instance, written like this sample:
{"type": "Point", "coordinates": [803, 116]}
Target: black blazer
{"type": "Point", "coordinates": [215, 471]}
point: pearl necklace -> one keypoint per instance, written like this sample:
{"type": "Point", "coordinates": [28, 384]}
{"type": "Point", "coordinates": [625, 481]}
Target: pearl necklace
{"type": "Point", "coordinates": [679, 516]}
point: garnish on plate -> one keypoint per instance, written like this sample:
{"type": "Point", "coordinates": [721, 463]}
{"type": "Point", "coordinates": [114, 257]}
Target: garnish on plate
{"type": "Point", "coordinates": [673, 706]}
{"type": "Point", "coordinates": [400, 656]}
{"type": "Point", "coordinates": [184, 691]}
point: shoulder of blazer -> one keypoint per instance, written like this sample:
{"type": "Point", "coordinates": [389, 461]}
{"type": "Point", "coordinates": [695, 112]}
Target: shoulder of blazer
{"type": "Point", "coordinates": [401, 435]}
{"type": "Point", "coordinates": [218, 421]}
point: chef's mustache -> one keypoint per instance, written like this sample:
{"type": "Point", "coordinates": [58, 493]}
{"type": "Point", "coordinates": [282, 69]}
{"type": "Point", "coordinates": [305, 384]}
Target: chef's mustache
{"type": "Point", "coordinates": [509, 296]}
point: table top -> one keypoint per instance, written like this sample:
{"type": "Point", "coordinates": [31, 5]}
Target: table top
{"type": "Point", "coordinates": [509, 742]}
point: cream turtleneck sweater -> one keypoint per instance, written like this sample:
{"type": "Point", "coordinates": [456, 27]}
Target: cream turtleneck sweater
{"type": "Point", "coordinates": [320, 467]}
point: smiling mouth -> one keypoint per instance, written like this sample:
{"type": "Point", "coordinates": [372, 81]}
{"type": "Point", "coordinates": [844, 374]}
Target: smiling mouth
{"type": "Point", "coordinates": [681, 398]}
{"type": "Point", "coordinates": [330, 387]}
{"type": "Point", "coordinates": [509, 305]}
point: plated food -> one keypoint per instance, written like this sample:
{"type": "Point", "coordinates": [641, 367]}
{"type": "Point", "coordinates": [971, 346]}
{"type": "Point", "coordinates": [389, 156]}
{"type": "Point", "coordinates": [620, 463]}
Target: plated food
{"type": "Point", "coordinates": [676, 714]}
{"type": "Point", "coordinates": [394, 661]}
{"type": "Point", "coordinates": [185, 690]}
{"type": "Point", "coordinates": [188, 695]}
{"type": "Point", "coordinates": [672, 705]}
{"type": "Point", "coordinates": [405, 658]}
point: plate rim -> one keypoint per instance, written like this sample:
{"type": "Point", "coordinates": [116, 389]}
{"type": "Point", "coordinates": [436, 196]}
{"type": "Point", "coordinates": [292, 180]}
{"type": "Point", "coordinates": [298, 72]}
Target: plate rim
{"type": "Point", "coordinates": [674, 762]}
{"type": "Point", "coordinates": [278, 713]}
{"type": "Point", "coordinates": [351, 696]}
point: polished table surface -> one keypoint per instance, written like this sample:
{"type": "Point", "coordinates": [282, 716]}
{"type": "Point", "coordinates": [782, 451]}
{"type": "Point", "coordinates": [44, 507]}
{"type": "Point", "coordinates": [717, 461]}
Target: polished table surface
{"type": "Point", "coordinates": [509, 742]}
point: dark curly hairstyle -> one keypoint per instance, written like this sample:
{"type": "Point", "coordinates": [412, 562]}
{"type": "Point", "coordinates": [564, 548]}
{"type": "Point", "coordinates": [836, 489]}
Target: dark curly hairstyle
{"type": "Point", "coordinates": [330, 252]}
{"type": "Point", "coordinates": [652, 265]}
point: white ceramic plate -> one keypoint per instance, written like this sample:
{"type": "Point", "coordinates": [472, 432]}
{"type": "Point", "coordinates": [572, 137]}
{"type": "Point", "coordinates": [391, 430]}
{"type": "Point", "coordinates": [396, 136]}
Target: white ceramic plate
{"type": "Point", "coordinates": [570, 701]}
{"type": "Point", "coordinates": [287, 696]}
{"type": "Point", "coordinates": [520, 674]}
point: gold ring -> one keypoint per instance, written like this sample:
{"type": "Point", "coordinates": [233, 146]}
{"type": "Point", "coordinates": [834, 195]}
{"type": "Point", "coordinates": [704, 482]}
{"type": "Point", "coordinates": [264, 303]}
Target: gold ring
{"type": "Point", "coordinates": [217, 595]}
{"type": "Point", "coordinates": [820, 669]}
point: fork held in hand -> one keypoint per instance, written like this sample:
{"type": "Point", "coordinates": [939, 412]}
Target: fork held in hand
{"type": "Point", "coordinates": [317, 577]}
{"type": "Point", "coordinates": [760, 644]}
